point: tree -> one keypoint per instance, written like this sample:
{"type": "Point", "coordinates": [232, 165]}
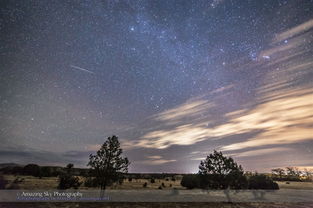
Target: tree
{"type": "Point", "coordinates": [261, 181]}
{"type": "Point", "coordinates": [293, 173]}
{"type": "Point", "coordinates": [278, 173]}
{"type": "Point", "coordinates": [70, 166]}
{"type": "Point", "coordinates": [67, 180]}
{"type": "Point", "coordinates": [190, 181]}
{"type": "Point", "coordinates": [45, 171]}
{"type": "Point", "coordinates": [220, 172]}
{"type": "Point", "coordinates": [108, 165]}
{"type": "Point", "coordinates": [31, 169]}
{"type": "Point", "coordinates": [308, 174]}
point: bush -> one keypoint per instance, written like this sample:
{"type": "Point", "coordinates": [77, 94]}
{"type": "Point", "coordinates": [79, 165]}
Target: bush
{"type": "Point", "coordinates": [130, 179]}
{"type": "Point", "coordinates": [160, 187]}
{"type": "Point", "coordinates": [163, 185]}
{"type": "Point", "coordinates": [190, 181]}
{"type": "Point", "coordinates": [3, 182]}
{"type": "Point", "coordinates": [260, 181]}
{"type": "Point", "coordinates": [31, 169]}
{"type": "Point", "coordinates": [145, 185]}
{"type": "Point", "coordinates": [152, 180]}
{"type": "Point", "coordinates": [45, 172]}
{"type": "Point", "coordinates": [90, 182]}
{"type": "Point", "coordinates": [67, 180]}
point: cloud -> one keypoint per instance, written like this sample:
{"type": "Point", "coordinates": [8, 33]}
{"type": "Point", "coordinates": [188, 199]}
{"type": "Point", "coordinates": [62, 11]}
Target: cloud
{"type": "Point", "coordinates": [155, 157]}
{"type": "Point", "coordinates": [182, 135]}
{"type": "Point", "coordinates": [286, 119]}
{"type": "Point", "coordinates": [198, 158]}
{"type": "Point", "coordinates": [259, 152]}
{"type": "Point", "coordinates": [155, 160]}
{"type": "Point", "coordinates": [190, 108]}
{"type": "Point", "coordinates": [222, 89]}
{"type": "Point", "coordinates": [294, 31]}
{"type": "Point", "coordinates": [282, 118]}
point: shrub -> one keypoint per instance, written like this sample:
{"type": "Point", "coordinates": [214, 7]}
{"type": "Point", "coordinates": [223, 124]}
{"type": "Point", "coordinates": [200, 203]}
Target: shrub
{"type": "Point", "coordinates": [152, 180]}
{"type": "Point", "coordinates": [160, 187]}
{"type": "Point", "coordinates": [130, 179]}
{"type": "Point", "coordinates": [45, 172]}
{"type": "Point", "coordinates": [190, 181]}
{"type": "Point", "coordinates": [163, 185]}
{"type": "Point", "coordinates": [90, 182]}
{"type": "Point", "coordinates": [67, 180]}
{"type": "Point", "coordinates": [260, 181]}
{"type": "Point", "coordinates": [3, 182]}
{"type": "Point", "coordinates": [145, 185]}
{"type": "Point", "coordinates": [31, 169]}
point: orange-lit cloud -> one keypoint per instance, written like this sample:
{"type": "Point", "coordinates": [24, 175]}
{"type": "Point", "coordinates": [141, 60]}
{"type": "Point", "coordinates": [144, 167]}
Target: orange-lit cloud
{"type": "Point", "coordinates": [283, 119]}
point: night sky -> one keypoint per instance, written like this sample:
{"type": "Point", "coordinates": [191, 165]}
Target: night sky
{"type": "Point", "coordinates": [174, 80]}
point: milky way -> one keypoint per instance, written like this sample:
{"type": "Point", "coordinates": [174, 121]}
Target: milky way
{"type": "Point", "coordinates": [173, 79]}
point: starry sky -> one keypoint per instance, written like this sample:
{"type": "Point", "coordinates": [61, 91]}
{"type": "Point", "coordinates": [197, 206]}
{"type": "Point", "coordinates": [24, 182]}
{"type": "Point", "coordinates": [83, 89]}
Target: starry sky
{"type": "Point", "coordinates": [173, 79]}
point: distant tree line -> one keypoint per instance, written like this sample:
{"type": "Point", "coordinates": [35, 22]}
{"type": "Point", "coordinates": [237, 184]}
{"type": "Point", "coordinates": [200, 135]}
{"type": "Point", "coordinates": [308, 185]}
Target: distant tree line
{"type": "Point", "coordinates": [292, 174]}
{"type": "Point", "coordinates": [41, 171]}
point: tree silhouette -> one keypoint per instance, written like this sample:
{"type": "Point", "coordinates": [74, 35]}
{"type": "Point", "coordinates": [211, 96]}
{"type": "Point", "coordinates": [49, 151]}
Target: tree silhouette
{"type": "Point", "coordinates": [220, 172]}
{"type": "Point", "coordinates": [278, 173]}
{"type": "Point", "coordinates": [67, 180]}
{"type": "Point", "coordinates": [31, 169]}
{"type": "Point", "coordinates": [293, 173]}
{"type": "Point", "coordinates": [108, 165]}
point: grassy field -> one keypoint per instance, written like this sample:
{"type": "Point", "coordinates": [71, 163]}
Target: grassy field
{"type": "Point", "coordinates": [33, 183]}
{"type": "Point", "coordinates": [30, 182]}
{"type": "Point", "coordinates": [295, 185]}
{"type": "Point", "coordinates": [156, 205]}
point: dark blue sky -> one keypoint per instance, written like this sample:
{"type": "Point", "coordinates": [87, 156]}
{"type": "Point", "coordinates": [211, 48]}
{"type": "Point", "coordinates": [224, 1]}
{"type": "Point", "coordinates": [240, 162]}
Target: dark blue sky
{"type": "Point", "coordinates": [173, 79]}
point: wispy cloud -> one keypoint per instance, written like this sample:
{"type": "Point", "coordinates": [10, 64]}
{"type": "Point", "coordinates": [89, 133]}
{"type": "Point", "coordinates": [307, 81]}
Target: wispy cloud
{"type": "Point", "coordinates": [155, 160]}
{"type": "Point", "coordinates": [294, 31]}
{"type": "Point", "coordinates": [259, 152]}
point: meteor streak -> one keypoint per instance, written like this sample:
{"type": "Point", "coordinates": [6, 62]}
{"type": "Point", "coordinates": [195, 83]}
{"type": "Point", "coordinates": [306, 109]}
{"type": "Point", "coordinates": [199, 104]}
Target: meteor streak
{"type": "Point", "coordinates": [82, 69]}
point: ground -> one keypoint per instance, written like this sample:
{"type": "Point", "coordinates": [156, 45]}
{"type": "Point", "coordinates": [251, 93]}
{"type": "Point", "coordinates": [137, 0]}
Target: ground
{"type": "Point", "coordinates": [156, 205]}
{"type": "Point", "coordinates": [33, 183]}
{"type": "Point", "coordinates": [30, 182]}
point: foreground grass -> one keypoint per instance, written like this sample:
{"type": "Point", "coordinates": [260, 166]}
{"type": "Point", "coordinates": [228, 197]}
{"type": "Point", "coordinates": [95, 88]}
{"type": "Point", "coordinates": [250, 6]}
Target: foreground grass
{"type": "Point", "coordinates": [295, 185]}
{"type": "Point", "coordinates": [35, 183]}
{"type": "Point", "coordinates": [157, 205]}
